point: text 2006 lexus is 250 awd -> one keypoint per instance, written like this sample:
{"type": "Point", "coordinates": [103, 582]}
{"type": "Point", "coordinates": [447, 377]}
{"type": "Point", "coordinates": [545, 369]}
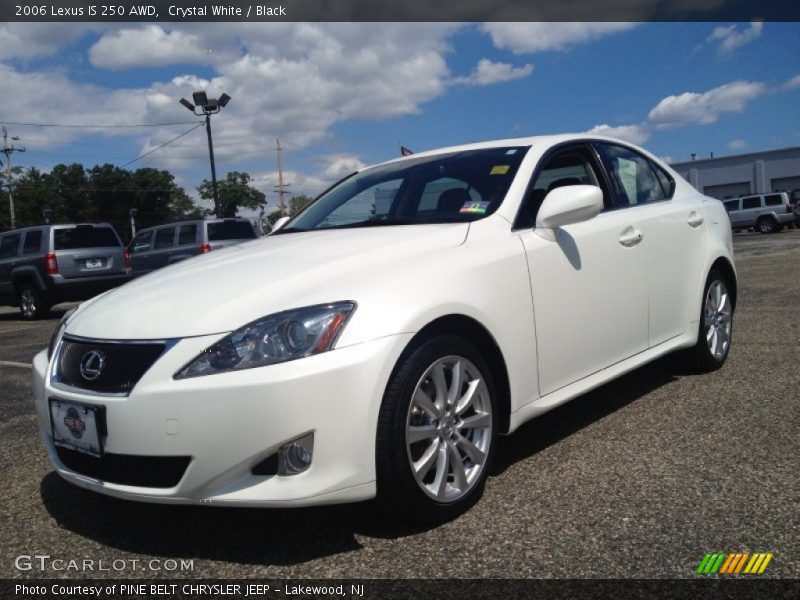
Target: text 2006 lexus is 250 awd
{"type": "Point", "coordinates": [379, 342]}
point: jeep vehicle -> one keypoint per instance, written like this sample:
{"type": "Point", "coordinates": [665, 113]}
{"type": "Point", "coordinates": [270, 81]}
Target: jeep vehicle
{"type": "Point", "coordinates": [767, 213]}
{"type": "Point", "coordinates": [46, 264]}
{"type": "Point", "coordinates": [163, 245]}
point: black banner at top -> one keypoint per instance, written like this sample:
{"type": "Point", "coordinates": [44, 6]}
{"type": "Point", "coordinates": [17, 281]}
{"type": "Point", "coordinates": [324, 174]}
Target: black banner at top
{"type": "Point", "coordinates": [396, 10]}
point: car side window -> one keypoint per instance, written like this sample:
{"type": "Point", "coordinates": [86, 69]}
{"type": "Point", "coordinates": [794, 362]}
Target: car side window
{"type": "Point", "coordinates": [773, 200]}
{"type": "Point", "coordinates": [751, 202]}
{"type": "Point", "coordinates": [165, 238]}
{"type": "Point", "coordinates": [187, 234]}
{"type": "Point", "coordinates": [572, 166]}
{"type": "Point", "coordinates": [33, 242]}
{"type": "Point", "coordinates": [141, 242]}
{"type": "Point", "coordinates": [731, 205]}
{"type": "Point", "coordinates": [9, 246]}
{"type": "Point", "coordinates": [632, 176]}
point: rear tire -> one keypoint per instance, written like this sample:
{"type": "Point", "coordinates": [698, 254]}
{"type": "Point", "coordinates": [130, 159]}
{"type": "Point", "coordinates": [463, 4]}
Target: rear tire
{"type": "Point", "coordinates": [767, 225]}
{"type": "Point", "coordinates": [436, 431]}
{"type": "Point", "coordinates": [31, 304]}
{"type": "Point", "coordinates": [715, 331]}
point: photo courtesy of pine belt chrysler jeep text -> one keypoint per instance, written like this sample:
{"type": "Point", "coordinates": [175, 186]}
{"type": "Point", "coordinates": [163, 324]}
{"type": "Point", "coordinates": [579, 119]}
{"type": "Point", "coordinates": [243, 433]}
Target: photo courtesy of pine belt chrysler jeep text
{"type": "Point", "coordinates": [378, 343]}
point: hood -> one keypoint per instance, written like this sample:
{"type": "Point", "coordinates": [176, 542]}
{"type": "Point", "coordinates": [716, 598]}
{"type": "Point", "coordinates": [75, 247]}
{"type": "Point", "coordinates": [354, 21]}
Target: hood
{"type": "Point", "coordinates": [225, 289]}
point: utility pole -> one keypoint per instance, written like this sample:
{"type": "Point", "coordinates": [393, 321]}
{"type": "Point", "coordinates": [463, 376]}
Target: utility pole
{"type": "Point", "coordinates": [281, 186]}
{"type": "Point", "coordinates": [8, 151]}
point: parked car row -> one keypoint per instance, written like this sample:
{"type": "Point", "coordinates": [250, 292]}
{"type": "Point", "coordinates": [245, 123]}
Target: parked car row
{"type": "Point", "coordinates": [43, 265]}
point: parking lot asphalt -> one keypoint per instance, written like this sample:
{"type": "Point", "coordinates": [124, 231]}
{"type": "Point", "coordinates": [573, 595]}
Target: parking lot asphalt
{"type": "Point", "coordinates": [639, 478]}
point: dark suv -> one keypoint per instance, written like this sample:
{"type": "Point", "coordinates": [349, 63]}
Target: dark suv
{"type": "Point", "coordinates": [157, 247]}
{"type": "Point", "coordinates": [43, 265]}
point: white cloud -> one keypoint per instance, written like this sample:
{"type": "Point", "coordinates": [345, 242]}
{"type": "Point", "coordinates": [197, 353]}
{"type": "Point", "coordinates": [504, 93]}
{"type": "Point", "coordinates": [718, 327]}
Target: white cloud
{"type": "Point", "coordinates": [792, 84]}
{"type": "Point", "coordinates": [487, 72]}
{"type": "Point", "coordinates": [705, 108]}
{"type": "Point", "coordinates": [148, 46]}
{"type": "Point", "coordinates": [523, 38]}
{"type": "Point", "coordinates": [737, 144]}
{"type": "Point", "coordinates": [635, 134]}
{"type": "Point", "coordinates": [731, 37]}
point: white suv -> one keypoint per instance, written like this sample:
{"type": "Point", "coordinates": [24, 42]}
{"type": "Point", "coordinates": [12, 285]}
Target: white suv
{"type": "Point", "coordinates": [380, 341]}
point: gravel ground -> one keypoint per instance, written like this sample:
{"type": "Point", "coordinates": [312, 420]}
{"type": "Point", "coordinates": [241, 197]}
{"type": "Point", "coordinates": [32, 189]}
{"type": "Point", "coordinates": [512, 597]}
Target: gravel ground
{"type": "Point", "coordinates": [637, 479]}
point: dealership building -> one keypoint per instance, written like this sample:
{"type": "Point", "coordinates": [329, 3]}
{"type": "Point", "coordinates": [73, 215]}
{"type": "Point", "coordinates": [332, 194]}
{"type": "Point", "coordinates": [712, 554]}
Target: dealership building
{"type": "Point", "coordinates": [743, 174]}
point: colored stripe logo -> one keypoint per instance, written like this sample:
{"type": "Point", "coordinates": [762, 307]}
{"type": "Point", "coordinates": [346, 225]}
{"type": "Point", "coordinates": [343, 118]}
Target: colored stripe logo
{"type": "Point", "coordinates": [734, 563]}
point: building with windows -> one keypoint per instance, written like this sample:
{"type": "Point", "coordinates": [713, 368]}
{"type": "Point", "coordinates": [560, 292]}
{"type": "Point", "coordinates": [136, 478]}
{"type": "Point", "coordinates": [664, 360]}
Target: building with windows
{"type": "Point", "coordinates": [744, 174]}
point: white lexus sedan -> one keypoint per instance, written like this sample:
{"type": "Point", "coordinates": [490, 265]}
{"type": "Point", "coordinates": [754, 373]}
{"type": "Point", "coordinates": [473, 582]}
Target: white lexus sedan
{"type": "Point", "coordinates": [378, 343]}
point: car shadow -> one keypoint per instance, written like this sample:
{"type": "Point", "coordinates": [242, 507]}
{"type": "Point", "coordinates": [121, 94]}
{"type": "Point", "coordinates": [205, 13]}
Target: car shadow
{"type": "Point", "coordinates": [292, 536]}
{"type": "Point", "coordinates": [567, 419]}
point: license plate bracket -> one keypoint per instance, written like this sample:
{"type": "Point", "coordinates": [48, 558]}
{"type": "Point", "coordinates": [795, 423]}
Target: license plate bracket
{"type": "Point", "coordinates": [78, 426]}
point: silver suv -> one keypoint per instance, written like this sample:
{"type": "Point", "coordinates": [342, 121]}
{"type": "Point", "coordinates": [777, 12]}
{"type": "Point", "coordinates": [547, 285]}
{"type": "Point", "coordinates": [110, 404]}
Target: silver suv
{"type": "Point", "coordinates": [767, 213]}
{"type": "Point", "coordinates": [157, 247]}
{"type": "Point", "coordinates": [47, 264]}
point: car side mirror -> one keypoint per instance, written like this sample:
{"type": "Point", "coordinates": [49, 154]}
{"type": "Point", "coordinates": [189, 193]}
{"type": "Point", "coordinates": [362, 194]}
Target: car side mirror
{"type": "Point", "coordinates": [280, 223]}
{"type": "Point", "coordinates": [566, 205]}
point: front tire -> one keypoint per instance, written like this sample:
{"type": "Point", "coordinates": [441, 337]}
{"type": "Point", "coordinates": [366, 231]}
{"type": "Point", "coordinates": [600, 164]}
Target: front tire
{"type": "Point", "coordinates": [436, 431]}
{"type": "Point", "coordinates": [31, 304]}
{"type": "Point", "coordinates": [716, 325]}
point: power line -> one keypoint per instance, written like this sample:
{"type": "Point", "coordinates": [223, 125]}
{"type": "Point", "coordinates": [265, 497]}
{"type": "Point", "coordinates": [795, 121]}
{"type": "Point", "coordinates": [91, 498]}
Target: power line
{"type": "Point", "coordinates": [177, 137]}
{"type": "Point", "coordinates": [106, 126]}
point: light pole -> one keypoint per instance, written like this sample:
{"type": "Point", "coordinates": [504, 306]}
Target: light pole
{"type": "Point", "coordinates": [133, 212]}
{"type": "Point", "coordinates": [208, 106]}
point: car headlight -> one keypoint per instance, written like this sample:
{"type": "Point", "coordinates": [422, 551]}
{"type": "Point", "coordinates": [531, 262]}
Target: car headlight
{"type": "Point", "coordinates": [273, 339]}
{"type": "Point", "coordinates": [58, 332]}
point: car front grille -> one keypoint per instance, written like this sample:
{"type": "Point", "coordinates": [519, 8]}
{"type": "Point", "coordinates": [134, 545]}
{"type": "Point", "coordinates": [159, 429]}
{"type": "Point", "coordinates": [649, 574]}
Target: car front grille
{"type": "Point", "coordinates": [126, 469]}
{"type": "Point", "coordinates": [107, 367]}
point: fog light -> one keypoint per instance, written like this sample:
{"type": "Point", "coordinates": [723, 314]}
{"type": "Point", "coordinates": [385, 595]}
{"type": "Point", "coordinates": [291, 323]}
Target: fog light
{"type": "Point", "coordinates": [295, 457]}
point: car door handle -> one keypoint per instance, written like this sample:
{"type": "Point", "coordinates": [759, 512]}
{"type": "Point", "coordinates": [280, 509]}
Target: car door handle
{"type": "Point", "coordinates": [630, 237]}
{"type": "Point", "coordinates": [695, 219]}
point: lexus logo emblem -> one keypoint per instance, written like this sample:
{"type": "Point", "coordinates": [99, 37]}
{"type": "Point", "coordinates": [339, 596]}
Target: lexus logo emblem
{"type": "Point", "coordinates": [92, 364]}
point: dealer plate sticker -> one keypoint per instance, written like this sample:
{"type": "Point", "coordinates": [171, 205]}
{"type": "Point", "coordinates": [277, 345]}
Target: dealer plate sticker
{"type": "Point", "coordinates": [76, 426]}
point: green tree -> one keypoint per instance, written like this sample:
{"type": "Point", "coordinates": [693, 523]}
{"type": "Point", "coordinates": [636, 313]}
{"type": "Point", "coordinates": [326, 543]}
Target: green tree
{"type": "Point", "coordinates": [298, 203]}
{"type": "Point", "coordinates": [235, 192]}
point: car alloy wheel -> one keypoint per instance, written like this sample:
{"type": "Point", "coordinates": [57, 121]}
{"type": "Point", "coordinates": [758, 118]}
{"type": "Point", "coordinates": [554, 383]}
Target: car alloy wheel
{"type": "Point", "coordinates": [437, 430]}
{"type": "Point", "coordinates": [449, 429]}
{"type": "Point", "coordinates": [767, 226]}
{"type": "Point", "coordinates": [717, 319]}
{"type": "Point", "coordinates": [30, 303]}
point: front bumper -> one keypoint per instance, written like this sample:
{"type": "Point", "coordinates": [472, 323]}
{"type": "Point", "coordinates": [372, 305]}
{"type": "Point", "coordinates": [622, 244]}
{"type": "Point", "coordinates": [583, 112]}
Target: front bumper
{"type": "Point", "coordinates": [229, 422]}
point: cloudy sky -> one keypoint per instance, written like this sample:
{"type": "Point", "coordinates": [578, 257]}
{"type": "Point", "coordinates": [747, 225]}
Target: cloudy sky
{"type": "Point", "coordinates": [341, 95]}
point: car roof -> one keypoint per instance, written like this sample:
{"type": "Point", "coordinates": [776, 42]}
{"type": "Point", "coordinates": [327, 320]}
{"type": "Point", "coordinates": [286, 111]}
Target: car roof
{"type": "Point", "coordinates": [540, 141]}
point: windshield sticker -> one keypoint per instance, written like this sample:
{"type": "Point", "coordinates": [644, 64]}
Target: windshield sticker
{"type": "Point", "coordinates": [510, 152]}
{"type": "Point", "coordinates": [499, 170]}
{"type": "Point", "coordinates": [473, 207]}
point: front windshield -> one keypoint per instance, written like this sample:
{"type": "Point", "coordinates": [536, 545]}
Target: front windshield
{"type": "Point", "coordinates": [455, 187]}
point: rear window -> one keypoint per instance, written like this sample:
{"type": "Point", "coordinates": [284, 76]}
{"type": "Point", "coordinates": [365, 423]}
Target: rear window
{"type": "Point", "coordinates": [773, 200]}
{"type": "Point", "coordinates": [230, 230]}
{"type": "Point", "coordinates": [84, 237]}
